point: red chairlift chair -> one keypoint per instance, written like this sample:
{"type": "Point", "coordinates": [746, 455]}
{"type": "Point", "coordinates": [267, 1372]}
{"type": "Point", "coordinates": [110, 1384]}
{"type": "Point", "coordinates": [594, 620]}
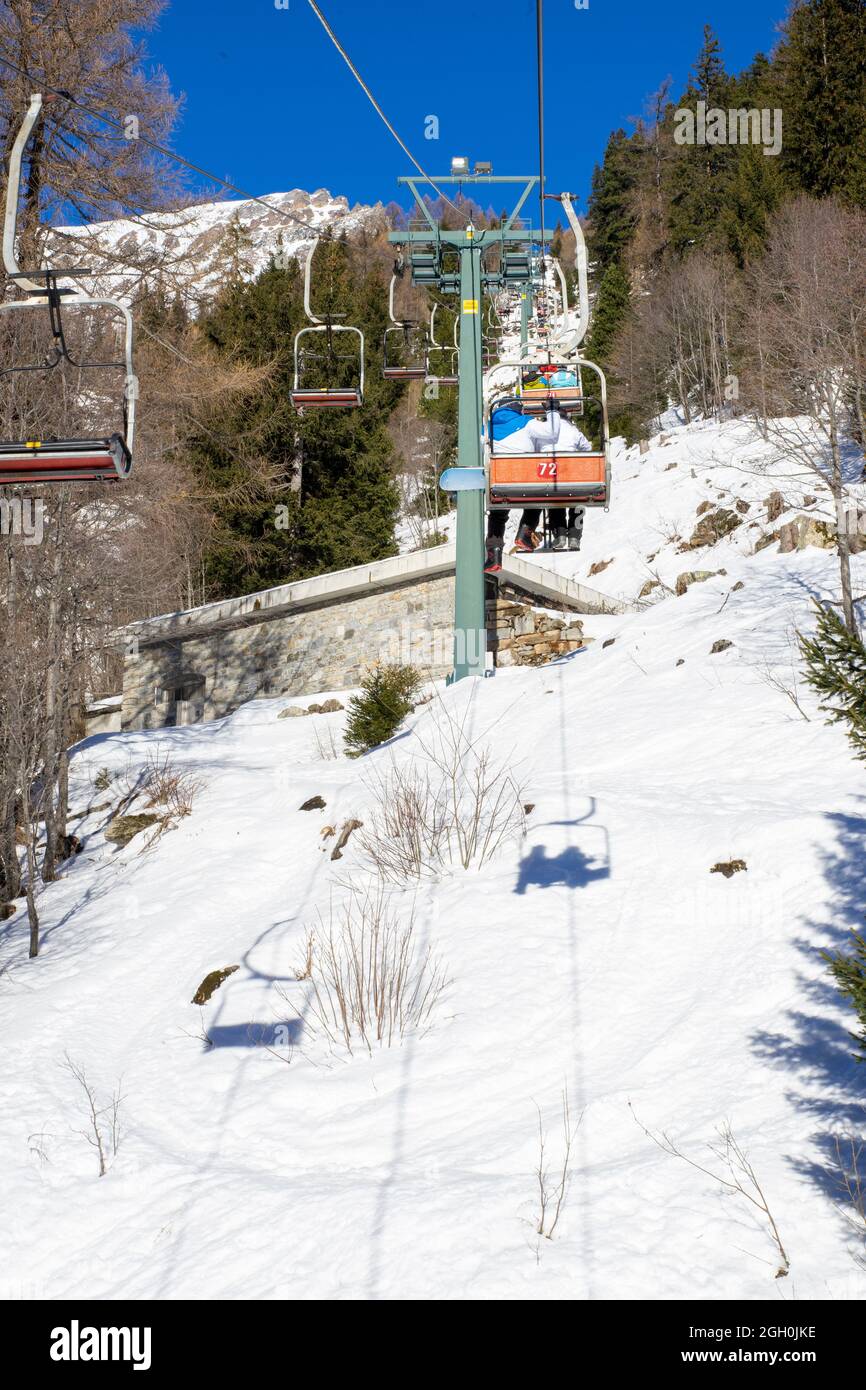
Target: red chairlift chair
{"type": "Point", "coordinates": [99, 458]}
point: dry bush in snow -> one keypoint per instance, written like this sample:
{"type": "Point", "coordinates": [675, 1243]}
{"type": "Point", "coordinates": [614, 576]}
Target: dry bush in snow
{"type": "Point", "coordinates": [851, 1167]}
{"type": "Point", "coordinates": [367, 981]}
{"type": "Point", "coordinates": [103, 1126]}
{"type": "Point", "coordinates": [168, 787]}
{"type": "Point", "coordinates": [453, 806]}
{"type": "Point", "coordinates": [737, 1176]}
{"type": "Point", "coordinates": [552, 1187]}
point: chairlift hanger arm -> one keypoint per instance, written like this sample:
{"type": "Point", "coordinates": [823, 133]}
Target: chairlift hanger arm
{"type": "Point", "coordinates": [13, 190]}
{"type": "Point", "coordinates": [308, 271]}
{"type": "Point", "coordinates": [580, 264]}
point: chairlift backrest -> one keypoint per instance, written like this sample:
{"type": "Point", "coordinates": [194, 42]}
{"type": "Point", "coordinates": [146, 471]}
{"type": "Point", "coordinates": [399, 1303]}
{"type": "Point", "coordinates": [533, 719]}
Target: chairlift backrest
{"type": "Point", "coordinates": [403, 338]}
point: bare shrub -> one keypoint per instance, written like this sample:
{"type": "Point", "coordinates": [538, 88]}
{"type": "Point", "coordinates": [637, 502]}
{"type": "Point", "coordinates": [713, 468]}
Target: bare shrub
{"type": "Point", "coordinates": [167, 786]}
{"type": "Point", "coordinates": [851, 1168]}
{"type": "Point", "coordinates": [367, 982]}
{"type": "Point", "coordinates": [738, 1176]}
{"type": "Point", "coordinates": [103, 1131]}
{"type": "Point", "coordinates": [304, 969]}
{"type": "Point", "coordinates": [552, 1187]}
{"type": "Point", "coordinates": [327, 747]}
{"type": "Point", "coordinates": [459, 809]}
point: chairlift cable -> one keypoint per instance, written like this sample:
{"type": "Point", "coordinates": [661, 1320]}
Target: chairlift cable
{"type": "Point", "coordinates": [539, 34]}
{"type": "Point", "coordinates": [351, 66]}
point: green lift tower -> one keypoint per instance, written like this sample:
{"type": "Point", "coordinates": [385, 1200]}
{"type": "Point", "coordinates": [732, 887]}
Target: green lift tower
{"type": "Point", "coordinates": [457, 261]}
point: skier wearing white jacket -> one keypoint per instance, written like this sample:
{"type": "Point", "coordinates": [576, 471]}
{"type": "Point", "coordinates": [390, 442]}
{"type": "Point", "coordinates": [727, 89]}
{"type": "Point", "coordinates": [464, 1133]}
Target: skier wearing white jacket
{"type": "Point", "coordinates": [543, 434]}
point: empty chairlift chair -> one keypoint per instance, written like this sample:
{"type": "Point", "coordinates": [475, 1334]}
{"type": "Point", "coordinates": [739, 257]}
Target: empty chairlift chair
{"type": "Point", "coordinates": [449, 358]}
{"type": "Point", "coordinates": [102, 455]}
{"type": "Point", "coordinates": [404, 346]}
{"type": "Point", "coordinates": [326, 376]}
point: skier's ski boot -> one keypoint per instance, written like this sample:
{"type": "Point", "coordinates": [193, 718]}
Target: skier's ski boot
{"type": "Point", "coordinates": [573, 539]}
{"type": "Point", "coordinates": [493, 557]}
{"type": "Point", "coordinates": [525, 541]}
{"type": "Point", "coordinates": [560, 538]}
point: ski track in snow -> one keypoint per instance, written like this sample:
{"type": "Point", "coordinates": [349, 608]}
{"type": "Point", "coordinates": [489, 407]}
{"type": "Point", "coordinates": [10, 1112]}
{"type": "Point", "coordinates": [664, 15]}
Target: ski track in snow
{"type": "Point", "coordinates": [602, 955]}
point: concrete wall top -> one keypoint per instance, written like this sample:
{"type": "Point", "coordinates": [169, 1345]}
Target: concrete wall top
{"type": "Point", "coordinates": [380, 574]}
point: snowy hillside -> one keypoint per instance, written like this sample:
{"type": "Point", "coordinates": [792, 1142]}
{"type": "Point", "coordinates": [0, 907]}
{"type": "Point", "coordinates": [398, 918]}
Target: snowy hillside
{"type": "Point", "coordinates": [194, 246]}
{"type": "Point", "coordinates": [598, 955]}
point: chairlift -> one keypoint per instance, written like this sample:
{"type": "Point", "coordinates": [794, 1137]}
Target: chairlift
{"type": "Point", "coordinates": [404, 346]}
{"type": "Point", "coordinates": [543, 383]}
{"type": "Point", "coordinates": [451, 377]}
{"type": "Point", "coordinates": [339, 375]}
{"type": "Point", "coordinates": [555, 478]}
{"type": "Point", "coordinates": [103, 456]}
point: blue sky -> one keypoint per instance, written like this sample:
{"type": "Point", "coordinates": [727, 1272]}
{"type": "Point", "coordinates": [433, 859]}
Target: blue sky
{"type": "Point", "coordinates": [270, 104]}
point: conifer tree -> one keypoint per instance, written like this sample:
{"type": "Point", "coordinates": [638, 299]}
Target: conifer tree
{"type": "Point", "coordinates": [699, 177]}
{"type": "Point", "coordinates": [328, 472]}
{"type": "Point", "coordinates": [609, 314]}
{"type": "Point", "coordinates": [849, 972]}
{"type": "Point", "coordinates": [612, 204]}
{"type": "Point", "coordinates": [836, 668]}
{"type": "Point", "coordinates": [822, 63]}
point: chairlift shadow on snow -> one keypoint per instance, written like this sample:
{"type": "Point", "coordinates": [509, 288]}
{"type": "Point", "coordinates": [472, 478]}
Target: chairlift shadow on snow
{"type": "Point", "coordinates": [572, 867]}
{"type": "Point", "coordinates": [257, 1034]}
{"type": "Point", "coordinates": [816, 1046]}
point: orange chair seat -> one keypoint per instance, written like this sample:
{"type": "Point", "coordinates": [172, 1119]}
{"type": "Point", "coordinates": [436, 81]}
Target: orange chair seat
{"type": "Point", "coordinates": [526, 479]}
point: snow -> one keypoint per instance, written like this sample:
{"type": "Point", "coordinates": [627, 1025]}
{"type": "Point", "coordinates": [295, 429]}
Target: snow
{"type": "Point", "coordinates": [599, 955]}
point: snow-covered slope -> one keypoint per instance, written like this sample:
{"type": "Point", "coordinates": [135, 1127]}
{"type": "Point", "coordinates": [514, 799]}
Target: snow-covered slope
{"type": "Point", "coordinates": [599, 955]}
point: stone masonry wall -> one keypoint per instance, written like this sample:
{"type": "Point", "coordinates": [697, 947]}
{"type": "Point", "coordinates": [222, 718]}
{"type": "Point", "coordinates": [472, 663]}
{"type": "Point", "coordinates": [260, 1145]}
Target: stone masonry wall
{"type": "Point", "coordinates": [323, 647]}
{"type": "Point", "coordinates": [328, 646]}
{"type": "Point", "coordinates": [519, 635]}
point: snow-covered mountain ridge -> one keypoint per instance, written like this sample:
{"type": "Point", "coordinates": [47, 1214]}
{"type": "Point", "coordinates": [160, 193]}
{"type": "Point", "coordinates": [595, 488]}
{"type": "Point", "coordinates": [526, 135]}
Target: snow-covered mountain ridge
{"type": "Point", "coordinates": [196, 246]}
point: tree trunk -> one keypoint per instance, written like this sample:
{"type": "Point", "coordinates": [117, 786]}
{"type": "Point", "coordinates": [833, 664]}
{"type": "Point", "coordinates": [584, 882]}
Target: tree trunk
{"type": "Point", "coordinates": [844, 552]}
{"type": "Point", "coordinates": [32, 914]}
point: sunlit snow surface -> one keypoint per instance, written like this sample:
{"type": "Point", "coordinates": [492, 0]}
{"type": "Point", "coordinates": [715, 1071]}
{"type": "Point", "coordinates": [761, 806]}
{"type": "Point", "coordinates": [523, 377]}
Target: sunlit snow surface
{"type": "Point", "coordinates": [602, 956]}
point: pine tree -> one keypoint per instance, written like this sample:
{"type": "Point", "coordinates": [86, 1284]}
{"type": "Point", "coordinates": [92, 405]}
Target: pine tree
{"type": "Point", "coordinates": [836, 668]}
{"type": "Point", "coordinates": [822, 62]}
{"type": "Point", "coordinates": [759, 183]}
{"type": "Point", "coordinates": [329, 471]}
{"type": "Point", "coordinates": [609, 313]}
{"type": "Point", "coordinates": [384, 702]}
{"type": "Point", "coordinates": [698, 179]}
{"type": "Point", "coordinates": [612, 204]}
{"type": "Point", "coordinates": [849, 973]}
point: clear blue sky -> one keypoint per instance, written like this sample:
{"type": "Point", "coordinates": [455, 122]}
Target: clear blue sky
{"type": "Point", "coordinates": [270, 104]}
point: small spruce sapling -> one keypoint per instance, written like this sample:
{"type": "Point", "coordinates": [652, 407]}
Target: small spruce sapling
{"type": "Point", "coordinates": [836, 669]}
{"type": "Point", "coordinates": [377, 712]}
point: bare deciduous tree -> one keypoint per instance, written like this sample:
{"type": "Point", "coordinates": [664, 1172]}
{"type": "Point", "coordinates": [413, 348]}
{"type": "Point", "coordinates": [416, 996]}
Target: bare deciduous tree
{"type": "Point", "coordinates": [804, 336]}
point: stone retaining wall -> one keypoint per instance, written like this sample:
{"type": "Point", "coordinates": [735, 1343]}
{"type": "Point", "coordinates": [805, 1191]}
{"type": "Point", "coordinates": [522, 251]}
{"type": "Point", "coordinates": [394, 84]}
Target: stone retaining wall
{"type": "Point", "coordinates": [200, 665]}
{"type": "Point", "coordinates": [519, 635]}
